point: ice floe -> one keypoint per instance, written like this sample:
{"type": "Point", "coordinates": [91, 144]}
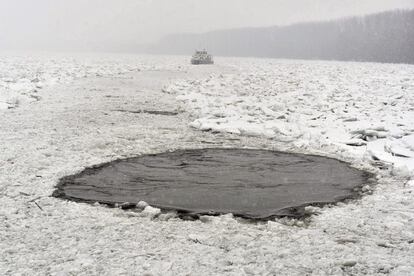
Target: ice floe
{"type": "Point", "coordinates": [310, 104]}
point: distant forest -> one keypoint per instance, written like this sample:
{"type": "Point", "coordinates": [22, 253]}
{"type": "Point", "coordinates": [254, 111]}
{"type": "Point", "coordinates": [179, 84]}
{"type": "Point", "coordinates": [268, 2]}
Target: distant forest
{"type": "Point", "coordinates": [383, 37]}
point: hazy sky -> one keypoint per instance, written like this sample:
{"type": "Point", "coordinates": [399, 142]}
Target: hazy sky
{"type": "Point", "coordinates": [89, 24]}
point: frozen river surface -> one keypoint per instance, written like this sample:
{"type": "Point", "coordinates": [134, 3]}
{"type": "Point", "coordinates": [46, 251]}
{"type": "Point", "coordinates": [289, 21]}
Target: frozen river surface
{"type": "Point", "coordinates": [61, 114]}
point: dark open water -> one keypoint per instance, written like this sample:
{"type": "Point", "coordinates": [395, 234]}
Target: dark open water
{"type": "Point", "coordinates": [255, 184]}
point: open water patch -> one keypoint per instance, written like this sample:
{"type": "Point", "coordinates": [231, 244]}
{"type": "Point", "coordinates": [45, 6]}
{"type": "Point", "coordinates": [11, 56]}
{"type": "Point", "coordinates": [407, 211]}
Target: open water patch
{"type": "Point", "coordinates": [256, 184]}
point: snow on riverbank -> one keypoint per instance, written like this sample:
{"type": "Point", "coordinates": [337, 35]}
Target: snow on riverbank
{"type": "Point", "coordinates": [347, 109]}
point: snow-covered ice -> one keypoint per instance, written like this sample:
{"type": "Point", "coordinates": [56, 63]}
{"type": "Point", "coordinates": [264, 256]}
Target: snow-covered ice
{"type": "Point", "coordinates": [316, 106]}
{"type": "Point", "coordinates": [61, 114]}
{"type": "Point", "coordinates": [23, 76]}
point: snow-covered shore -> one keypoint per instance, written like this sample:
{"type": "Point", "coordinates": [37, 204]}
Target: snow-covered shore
{"type": "Point", "coordinates": [284, 105]}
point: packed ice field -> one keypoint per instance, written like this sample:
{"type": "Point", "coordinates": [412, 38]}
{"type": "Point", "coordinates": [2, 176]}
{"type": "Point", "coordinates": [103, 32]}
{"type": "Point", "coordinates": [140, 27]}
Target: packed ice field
{"type": "Point", "coordinates": [61, 113]}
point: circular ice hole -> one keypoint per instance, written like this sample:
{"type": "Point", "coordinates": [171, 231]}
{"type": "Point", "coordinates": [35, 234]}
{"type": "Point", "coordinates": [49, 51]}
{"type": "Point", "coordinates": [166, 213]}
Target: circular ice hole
{"type": "Point", "coordinates": [257, 184]}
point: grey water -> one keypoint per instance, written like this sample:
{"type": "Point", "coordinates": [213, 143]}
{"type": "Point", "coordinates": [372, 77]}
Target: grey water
{"type": "Point", "coordinates": [256, 184]}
